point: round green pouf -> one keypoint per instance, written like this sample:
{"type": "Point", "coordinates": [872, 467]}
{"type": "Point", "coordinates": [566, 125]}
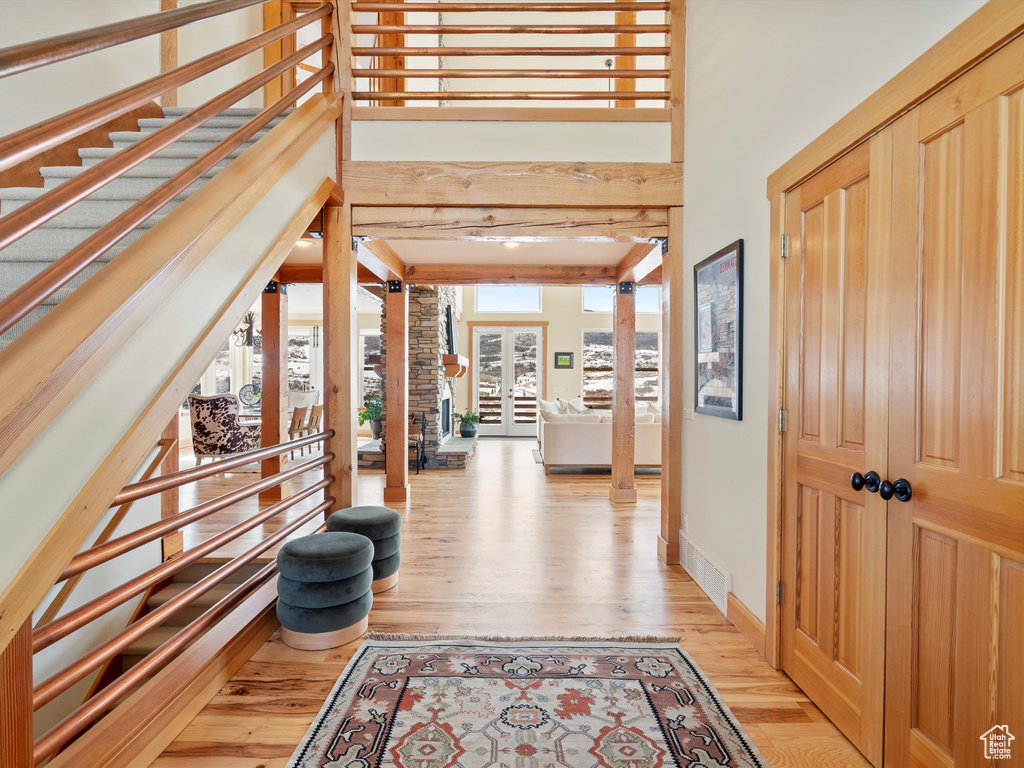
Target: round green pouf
{"type": "Point", "coordinates": [372, 522]}
{"type": "Point", "coordinates": [325, 557]}
{"type": "Point", "coordinates": [324, 594]}
{"type": "Point", "coordinates": [383, 548]}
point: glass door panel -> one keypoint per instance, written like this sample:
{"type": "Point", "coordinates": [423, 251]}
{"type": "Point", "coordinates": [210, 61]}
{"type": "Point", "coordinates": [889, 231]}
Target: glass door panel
{"type": "Point", "coordinates": [507, 376]}
{"type": "Point", "coordinates": [490, 363]}
{"type": "Point", "coordinates": [525, 384]}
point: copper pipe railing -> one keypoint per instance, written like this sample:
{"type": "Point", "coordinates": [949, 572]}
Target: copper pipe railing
{"type": "Point", "coordinates": [58, 273]}
{"type": "Point", "coordinates": [47, 635]}
{"type": "Point", "coordinates": [74, 723]}
{"type": "Point", "coordinates": [30, 141]}
{"type": "Point", "coordinates": [165, 446]}
{"type": "Point", "coordinates": [48, 690]}
{"type": "Point", "coordinates": [177, 479]}
{"type": "Point", "coordinates": [26, 56]}
{"type": "Point", "coordinates": [525, 7]}
{"type": "Point", "coordinates": [554, 74]}
{"type": "Point", "coordinates": [364, 51]}
{"type": "Point", "coordinates": [25, 219]}
{"type": "Point", "coordinates": [509, 29]}
{"type": "Point", "coordinates": [90, 558]}
{"type": "Point", "coordinates": [513, 96]}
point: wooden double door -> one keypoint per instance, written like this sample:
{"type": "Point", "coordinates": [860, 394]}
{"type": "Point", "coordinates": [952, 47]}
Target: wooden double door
{"type": "Point", "coordinates": [903, 489]}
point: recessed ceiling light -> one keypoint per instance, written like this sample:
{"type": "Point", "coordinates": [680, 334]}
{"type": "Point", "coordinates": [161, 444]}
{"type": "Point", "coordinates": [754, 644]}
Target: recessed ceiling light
{"type": "Point", "coordinates": [511, 244]}
{"type": "Point", "coordinates": [304, 243]}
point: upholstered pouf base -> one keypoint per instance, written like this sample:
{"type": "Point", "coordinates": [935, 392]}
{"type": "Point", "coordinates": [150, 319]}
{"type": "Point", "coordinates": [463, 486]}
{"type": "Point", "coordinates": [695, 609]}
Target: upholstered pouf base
{"type": "Point", "coordinates": [386, 583]}
{"type": "Point", "coordinates": [321, 641]}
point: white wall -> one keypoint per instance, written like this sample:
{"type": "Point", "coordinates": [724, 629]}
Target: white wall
{"type": "Point", "coordinates": [764, 78]}
{"type": "Point", "coordinates": [48, 91]}
{"type": "Point", "coordinates": [197, 40]}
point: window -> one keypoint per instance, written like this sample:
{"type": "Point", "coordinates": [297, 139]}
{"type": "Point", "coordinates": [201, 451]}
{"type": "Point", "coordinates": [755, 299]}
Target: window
{"type": "Point", "coordinates": [508, 298]}
{"type": "Point", "coordinates": [371, 385]}
{"type": "Point", "coordinates": [599, 298]}
{"type": "Point", "coordinates": [222, 370]}
{"type": "Point", "coordinates": [599, 373]}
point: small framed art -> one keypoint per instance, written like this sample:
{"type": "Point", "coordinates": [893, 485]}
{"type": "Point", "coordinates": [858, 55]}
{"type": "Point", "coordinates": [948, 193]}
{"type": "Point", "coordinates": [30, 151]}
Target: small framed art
{"type": "Point", "coordinates": [563, 359]}
{"type": "Point", "coordinates": [718, 333]}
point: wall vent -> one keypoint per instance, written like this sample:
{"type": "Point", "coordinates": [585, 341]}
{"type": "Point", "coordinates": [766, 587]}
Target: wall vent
{"type": "Point", "coordinates": [709, 575]}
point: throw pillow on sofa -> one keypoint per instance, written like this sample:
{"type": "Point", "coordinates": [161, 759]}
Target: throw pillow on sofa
{"type": "Point", "coordinates": [550, 406]}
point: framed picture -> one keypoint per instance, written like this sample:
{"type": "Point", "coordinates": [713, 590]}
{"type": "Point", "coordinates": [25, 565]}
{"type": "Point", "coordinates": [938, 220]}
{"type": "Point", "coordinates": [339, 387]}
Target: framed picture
{"type": "Point", "coordinates": [718, 333]}
{"type": "Point", "coordinates": [563, 359]}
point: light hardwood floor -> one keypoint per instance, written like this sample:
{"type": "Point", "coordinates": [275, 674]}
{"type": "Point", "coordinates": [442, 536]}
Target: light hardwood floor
{"type": "Point", "coordinates": [500, 549]}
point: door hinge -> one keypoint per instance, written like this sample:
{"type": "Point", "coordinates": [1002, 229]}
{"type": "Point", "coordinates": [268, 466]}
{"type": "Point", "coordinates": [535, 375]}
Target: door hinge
{"type": "Point", "coordinates": [782, 419]}
{"type": "Point", "coordinates": [778, 593]}
{"type": "Point", "coordinates": [784, 246]}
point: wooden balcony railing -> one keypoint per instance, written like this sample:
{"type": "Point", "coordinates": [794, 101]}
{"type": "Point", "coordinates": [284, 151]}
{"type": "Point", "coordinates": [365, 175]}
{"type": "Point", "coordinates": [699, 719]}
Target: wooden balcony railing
{"type": "Point", "coordinates": [58, 628]}
{"type": "Point", "coordinates": [442, 54]}
{"type": "Point", "coordinates": [524, 409]}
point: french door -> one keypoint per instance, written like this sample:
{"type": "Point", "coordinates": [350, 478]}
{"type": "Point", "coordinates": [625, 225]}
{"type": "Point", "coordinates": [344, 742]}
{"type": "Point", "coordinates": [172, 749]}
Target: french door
{"type": "Point", "coordinates": [507, 379]}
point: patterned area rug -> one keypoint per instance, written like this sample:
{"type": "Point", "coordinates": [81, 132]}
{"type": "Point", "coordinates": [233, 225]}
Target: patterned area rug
{"type": "Point", "coordinates": [524, 704]}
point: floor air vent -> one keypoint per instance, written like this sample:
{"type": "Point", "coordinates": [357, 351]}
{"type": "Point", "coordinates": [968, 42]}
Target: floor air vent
{"type": "Point", "coordinates": [709, 575]}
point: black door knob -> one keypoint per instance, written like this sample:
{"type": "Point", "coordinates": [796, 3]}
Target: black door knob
{"type": "Point", "coordinates": [857, 481]}
{"type": "Point", "coordinates": [886, 490]}
{"type": "Point", "coordinates": [902, 490]}
{"type": "Point", "coordinates": [872, 481]}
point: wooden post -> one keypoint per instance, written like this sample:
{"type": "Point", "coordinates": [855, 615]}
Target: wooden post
{"type": "Point", "coordinates": [341, 355]}
{"type": "Point", "coordinates": [274, 399]}
{"type": "Point", "coordinates": [396, 392]}
{"type": "Point", "coordinates": [16, 700]}
{"type": "Point", "coordinates": [677, 76]}
{"type": "Point", "coordinates": [623, 488]}
{"type": "Point", "coordinates": [169, 54]}
{"type": "Point", "coordinates": [172, 543]}
{"type": "Point", "coordinates": [672, 289]}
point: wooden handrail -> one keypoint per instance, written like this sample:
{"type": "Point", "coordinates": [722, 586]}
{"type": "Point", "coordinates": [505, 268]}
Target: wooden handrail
{"type": "Point", "coordinates": [46, 691]}
{"type": "Point", "coordinates": [525, 7]}
{"type": "Point", "coordinates": [509, 29]}
{"type": "Point", "coordinates": [73, 724]}
{"type": "Point", "coordinates": [25, 219]}
{"type": "Point", "coordinates": [59, 272]}
{"type": "Point", "coordinates": [514, 96]}
{"type": "Point", "coordinates": [34, 139]}
{"type": "Point", "coordinates": [503, 51]}
{"type": "Point", "coordinates": [554, 74]}
{"type": "Point", "coordinates": [26, 56]}
{"type": "Point", "coordinates": [90, 558]}
{"type": "Point", "coordinates": [142, 489]}
{"type": "Point", "coordinates": [58, 602]}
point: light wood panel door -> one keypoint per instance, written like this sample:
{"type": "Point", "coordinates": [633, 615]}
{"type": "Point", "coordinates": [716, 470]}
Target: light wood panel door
{"type": "Point", "coordinates": [837, 361]}
{"type": "Point", "coordinates": [955, 645]}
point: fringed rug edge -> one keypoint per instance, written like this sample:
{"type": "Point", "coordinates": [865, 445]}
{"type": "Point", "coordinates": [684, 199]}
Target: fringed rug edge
{"type": "Point", "coordinates": [396, 637]}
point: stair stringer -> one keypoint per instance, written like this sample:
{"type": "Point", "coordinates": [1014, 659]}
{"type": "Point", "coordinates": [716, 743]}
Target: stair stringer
{"type": "Point", "coordinates": [55, 490]}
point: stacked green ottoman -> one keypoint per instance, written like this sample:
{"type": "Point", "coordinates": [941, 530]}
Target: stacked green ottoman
{"type": "Point", "coordinates": [324, 595]}
{"type": "Point", "coordinates": [382, 526]}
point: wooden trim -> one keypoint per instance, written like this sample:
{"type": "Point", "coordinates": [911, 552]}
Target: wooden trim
{"type": "Point", "coordinates": [322, 641]}
{"type": "Point", "coordinates": [274, 378]}
{"type": "Point", "coordinates": [173, 544]}
{"type": "Point", "coordinates": [490, 113]}
{"type": "Point", "coordinates": [273, 16]}
{"type": "Point", "coordinates": [169, 54]}
{"type": "Point", "coordinates": [537, 224]}
{"type": "Point", "coordinates": [342, 366]}
{"type": "Point", "coordinates": [776, 400]}
{"type": "Point", "coordinates": [746, 623]}
{"type": "Point", "coordinates": [16, 748]}
{"type": "Point", "coordinates": [396, 81]}
{"type": "Point", "coordinates": [342, 53]}
{"type": "Point", "coordinates": [673, 287]}
{"type": "Point", "coordinates": [314, 273]}
{"type": "Point", "coordinates": [396, 393]}
{"type": "Point", "coordinates": [992, 26]}
{"type": "Point", "coordinates": [378, 257]}
{"type": "Point", "coordinates": [542, 324]}
{"type": "Point", "coordinates": [622, 489]}
{"type": "Point", "coordinates": [677, 60]}
{"type": "Point", "coordinates": [64, 349]}
{"type": "Point", "coordinates": [534, 185]}
{"type": "Point", "coordinates": [479, 274]}
{"type": "Point", "coordinates": [641, 260]}
{"type": "Point", "coordinates": [26, 173]}
{"type": "Point", "coordinates": [625, 64]}
{"type": "Point", "coordinates": [139, 729]}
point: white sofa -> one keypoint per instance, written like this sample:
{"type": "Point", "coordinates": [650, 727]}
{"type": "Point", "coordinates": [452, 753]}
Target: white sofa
{"type": "Point", "coordinates": [584, 443]}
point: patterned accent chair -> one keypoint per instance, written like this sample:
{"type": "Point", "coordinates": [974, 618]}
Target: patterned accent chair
{"type": "Point", "coordinates": [215, 427]}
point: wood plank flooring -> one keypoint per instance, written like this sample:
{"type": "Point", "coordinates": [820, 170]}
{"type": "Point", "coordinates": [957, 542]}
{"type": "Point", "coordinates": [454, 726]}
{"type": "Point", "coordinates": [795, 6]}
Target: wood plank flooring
{"type": "Point", "coordinates": [500, 549]}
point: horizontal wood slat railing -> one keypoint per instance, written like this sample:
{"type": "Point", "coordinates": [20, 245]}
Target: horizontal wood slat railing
{"type": "Point", "coordinates": [406, 52]}
{"type": "Point", "coordinates": [51, 632]}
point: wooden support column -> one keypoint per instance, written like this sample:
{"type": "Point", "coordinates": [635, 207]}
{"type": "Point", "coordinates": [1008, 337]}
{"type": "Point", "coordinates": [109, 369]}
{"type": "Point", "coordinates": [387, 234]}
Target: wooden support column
{"type": "Point", "coordinates": [396, 392]}
{"type": "Point", "coordinates": [672, 291]}
{"type": "Point", "coordinates": [172, 543]}
{"type": "Point", "coordinates": [341, 355]}
{"type": "Point", "coordinates": [623, 488]}
{"type": "Point", "coordinates": [169, 54]}
{"type": "Point", "coordinates": [274, 400]}
{"type": "Point", "coordinates": [16, 700]}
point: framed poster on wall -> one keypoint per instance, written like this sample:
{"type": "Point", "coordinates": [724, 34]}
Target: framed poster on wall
{"type": "Point", "coordinates": [718, 333]}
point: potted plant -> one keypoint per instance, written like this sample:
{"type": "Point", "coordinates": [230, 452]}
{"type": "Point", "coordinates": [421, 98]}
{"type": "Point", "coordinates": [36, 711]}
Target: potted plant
{"type": "Point", "coordinates": [467, 422]}
{"type": "Point", "coordinates": [371, 413]}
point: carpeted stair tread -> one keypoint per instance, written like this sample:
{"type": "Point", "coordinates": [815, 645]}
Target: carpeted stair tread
{"type": "Point", "coordinates": [58, 174]}
{"type": "Point", "coordinates": [216, 593]}
{"type": "Point", "coordinates": [146, 644]}
{"type": "Point", "coordinates": [202, 135]}
{"type": "Point", "coordinates": [176, 154]}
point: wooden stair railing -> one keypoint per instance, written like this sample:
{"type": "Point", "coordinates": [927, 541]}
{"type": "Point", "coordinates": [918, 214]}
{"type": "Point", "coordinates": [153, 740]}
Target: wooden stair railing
{"type": "Point", "coordinates": [47, 634]}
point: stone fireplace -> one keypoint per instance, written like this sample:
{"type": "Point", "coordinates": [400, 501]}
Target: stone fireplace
{"type": "Point", "coordinates": [431, 399]}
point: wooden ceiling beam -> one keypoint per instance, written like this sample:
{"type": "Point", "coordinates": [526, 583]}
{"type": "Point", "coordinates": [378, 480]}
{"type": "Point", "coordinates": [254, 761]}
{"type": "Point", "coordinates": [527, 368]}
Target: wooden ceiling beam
{"type": "Point", "coordinates": [641, 260]}
{"type": "Point", "coordinates": [314, 273]}
{"type": "Point", "coordinates": [476, 274]}
{"type": "Point", "coordinates": [527, 224]}
{"type": "Point", "coordinates": [378, 257]}
{"type": "Point", "coordinates": [654, 278]}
